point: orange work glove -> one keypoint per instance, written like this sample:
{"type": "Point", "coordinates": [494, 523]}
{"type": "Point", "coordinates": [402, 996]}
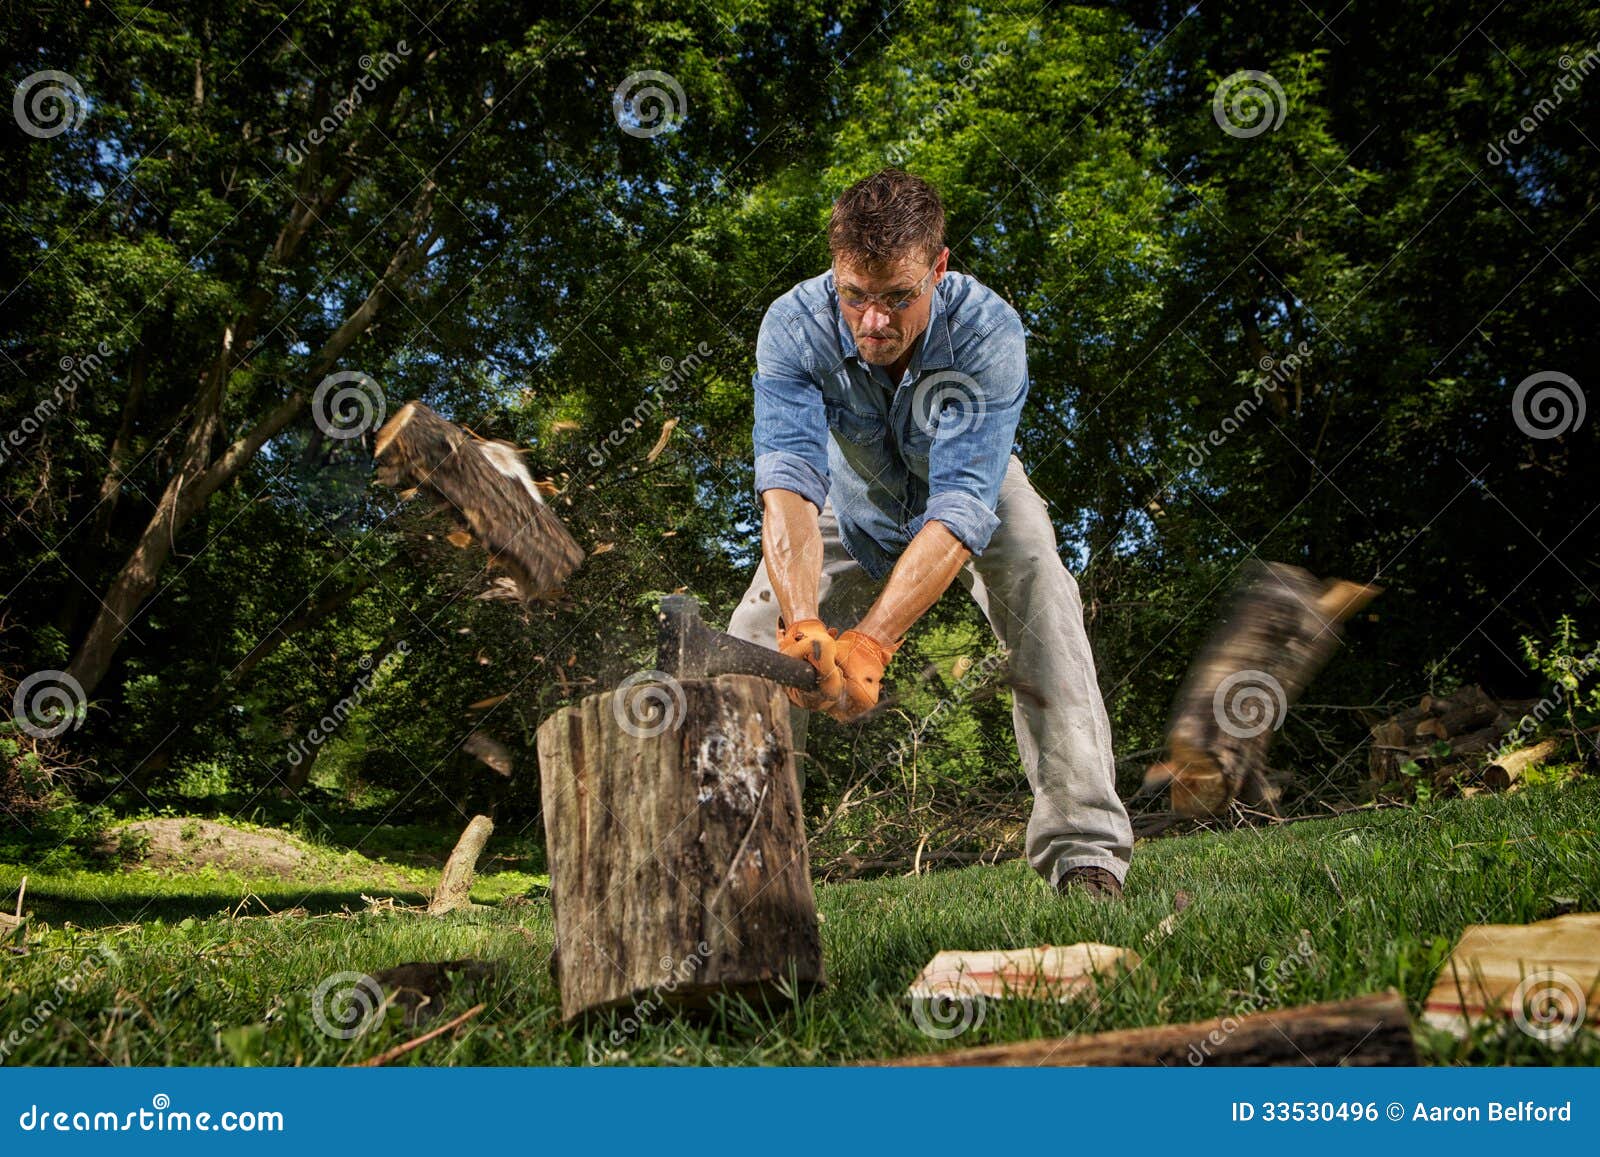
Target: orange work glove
{"type": "Point", "coordinates": [861, 660]}
{"type": "Point", "coordinates": [813, 642]}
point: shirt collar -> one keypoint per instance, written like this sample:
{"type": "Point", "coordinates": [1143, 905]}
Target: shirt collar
{"type": "Point", "coordinates": [933, 351]}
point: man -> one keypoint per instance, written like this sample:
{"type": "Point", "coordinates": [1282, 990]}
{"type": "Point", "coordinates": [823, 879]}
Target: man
{"type": "Point", "coordinates": [887, 393]}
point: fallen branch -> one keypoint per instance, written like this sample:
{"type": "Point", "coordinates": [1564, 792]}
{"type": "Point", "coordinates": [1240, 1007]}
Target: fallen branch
{"type": "Point", "coordinates": [401, 1050]}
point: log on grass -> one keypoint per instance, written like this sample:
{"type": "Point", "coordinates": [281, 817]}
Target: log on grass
{"type": "Point", "coordinates": [1511, 767]}
{"type": "Point", "coordinates": [455, 882]}
{"type": "Point", "coordinates": [677, 847]}
{"type": "Point", "coordinates": [1370, 1030]}
{"type": "Point", "coordinates": [1281, 627]}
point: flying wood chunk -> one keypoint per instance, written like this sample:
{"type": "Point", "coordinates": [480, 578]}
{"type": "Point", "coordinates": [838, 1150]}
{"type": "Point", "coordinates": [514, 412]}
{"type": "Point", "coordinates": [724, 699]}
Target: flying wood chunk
{"type": "Point", "coordinates": [489, 487]}
{"type": "Point", "coordinates": [1279, 631]}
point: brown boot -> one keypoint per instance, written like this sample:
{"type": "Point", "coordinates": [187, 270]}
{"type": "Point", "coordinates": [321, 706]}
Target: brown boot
{"type": "Point", "coordinates": [1099, 883]}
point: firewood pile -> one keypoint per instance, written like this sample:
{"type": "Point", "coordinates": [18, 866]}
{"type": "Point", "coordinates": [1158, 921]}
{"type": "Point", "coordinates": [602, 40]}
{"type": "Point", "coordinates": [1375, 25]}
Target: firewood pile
{"type": "Point", "coordinates": [1453, 742]}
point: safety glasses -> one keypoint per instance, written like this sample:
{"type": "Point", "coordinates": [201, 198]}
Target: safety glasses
{"type": "Point", "coordinates": [893, 300]}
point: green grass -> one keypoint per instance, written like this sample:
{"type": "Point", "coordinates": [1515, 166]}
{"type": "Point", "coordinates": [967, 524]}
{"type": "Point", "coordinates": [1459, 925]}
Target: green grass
{"type": "Point", "coordinates": [1380, 897]}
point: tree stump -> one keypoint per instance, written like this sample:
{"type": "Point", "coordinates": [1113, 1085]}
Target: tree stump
{"type": "Point", "coordinates": [678, 861]}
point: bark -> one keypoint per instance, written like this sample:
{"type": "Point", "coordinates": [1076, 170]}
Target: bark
{"type": "Point", "coordinates": [678, 859]}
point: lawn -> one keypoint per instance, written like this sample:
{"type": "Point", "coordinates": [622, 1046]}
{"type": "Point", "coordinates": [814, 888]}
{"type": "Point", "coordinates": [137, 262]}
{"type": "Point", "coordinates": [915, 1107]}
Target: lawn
{"type": "Point", "coordinates": [214, 968]}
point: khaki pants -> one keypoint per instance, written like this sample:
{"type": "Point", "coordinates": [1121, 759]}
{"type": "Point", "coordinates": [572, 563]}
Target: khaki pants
{"type": "Point", "coordinates": [1032, 605]}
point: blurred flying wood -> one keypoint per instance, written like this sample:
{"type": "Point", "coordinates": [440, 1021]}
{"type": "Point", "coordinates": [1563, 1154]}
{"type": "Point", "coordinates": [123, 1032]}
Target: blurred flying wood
{"type": "Point", "coordinates": [661, 443]}
{"type": "Point", "coordinates": [455, 882]}
{"type": "Point", "coordinates": [494, 755]}
{"type": "Point", "coordinates": [1370, 1030]}
{"type": "Point", "coordinates": [677, 847]}
{"type": "Point", "coordinates": [489, 487]}
{"type": "Point", "coordinates": [1281, 627]}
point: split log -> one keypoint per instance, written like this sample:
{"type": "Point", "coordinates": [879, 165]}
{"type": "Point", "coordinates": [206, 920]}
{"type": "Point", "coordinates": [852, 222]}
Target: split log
{"type": "Point", "coordinates": [1281, 627]}
{"type": "Point", "coordinates": [678, 861]}
{"type": "Point", "coordinates": [1510, 768]}
{"type": "Point", "coordinates": [1370, 1030]}
{"type": "Point", "coordinates": [455, 882]}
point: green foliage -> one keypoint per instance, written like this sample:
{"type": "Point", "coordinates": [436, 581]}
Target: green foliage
{"type": "Point", "coordinates": [1299, 345]}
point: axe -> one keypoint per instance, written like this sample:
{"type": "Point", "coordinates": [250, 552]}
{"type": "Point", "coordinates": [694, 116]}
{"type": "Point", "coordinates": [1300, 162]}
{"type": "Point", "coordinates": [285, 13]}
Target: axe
{"type": "Point", "coordinates": [688, 649]}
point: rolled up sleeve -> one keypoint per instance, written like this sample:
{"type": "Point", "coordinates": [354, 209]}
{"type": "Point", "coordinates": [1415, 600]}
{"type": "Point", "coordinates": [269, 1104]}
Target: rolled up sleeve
{"type": "Point", "coordinates": [978, 415]}
{"type": "Point", "coordinates": [791, 428]}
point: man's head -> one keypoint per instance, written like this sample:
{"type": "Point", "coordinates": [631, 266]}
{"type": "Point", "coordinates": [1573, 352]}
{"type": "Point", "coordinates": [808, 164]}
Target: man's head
{"type": "Point", "coordinates": [887, 240]}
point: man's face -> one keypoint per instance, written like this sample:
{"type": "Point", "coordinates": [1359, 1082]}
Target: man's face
{"type": "Point", "coordinates": [883, 335]}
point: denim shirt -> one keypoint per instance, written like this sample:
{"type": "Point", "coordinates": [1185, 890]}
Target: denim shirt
{"type": "Point", "coordinates": [829, 425]}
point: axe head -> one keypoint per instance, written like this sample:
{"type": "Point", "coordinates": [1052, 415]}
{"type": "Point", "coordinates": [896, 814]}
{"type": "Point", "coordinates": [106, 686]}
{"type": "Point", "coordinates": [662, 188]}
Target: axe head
{"type": "Point", "coordinates": [688, 649]}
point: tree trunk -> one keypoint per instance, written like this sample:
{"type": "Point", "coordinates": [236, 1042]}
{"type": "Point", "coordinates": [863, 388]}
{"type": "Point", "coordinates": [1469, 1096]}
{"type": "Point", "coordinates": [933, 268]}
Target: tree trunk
{"type": "Point", "coordinates": [677, 847]}
{"type": "Point", "coordinates": [200, 474]}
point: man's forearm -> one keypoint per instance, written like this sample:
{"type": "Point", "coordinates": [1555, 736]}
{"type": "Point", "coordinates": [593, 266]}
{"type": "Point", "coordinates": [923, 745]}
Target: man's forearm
{"type": "Point", "coordinates": [791, 543]}
{"type": "Point", "coordinates": [926, 568]}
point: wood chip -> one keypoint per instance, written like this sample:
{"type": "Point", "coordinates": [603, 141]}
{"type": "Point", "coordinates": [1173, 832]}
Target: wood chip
{"type": "Point", "coordinates": [1048, 972]}
{"type": "Point", "coordinates": [1543, 977]}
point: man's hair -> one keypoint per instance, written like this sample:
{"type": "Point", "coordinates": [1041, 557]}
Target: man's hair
{"type": "Point", "coordinates": [883, 218]}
